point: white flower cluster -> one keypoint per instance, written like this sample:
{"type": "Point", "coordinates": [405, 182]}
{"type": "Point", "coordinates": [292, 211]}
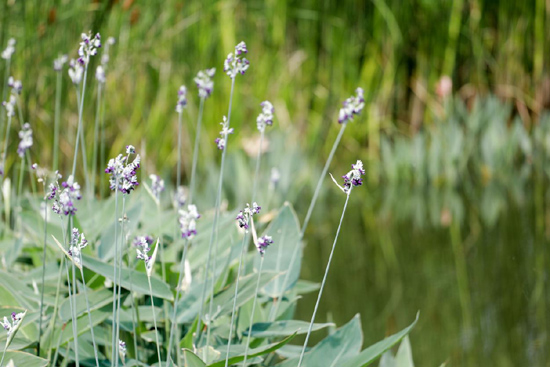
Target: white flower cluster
{"type": "Point", "coordinates": [265, 118]}
{"type": "Point", "coordinates": [76, 72]}
{"type": "Point", "coordinates": [78, 242]}
{"type": "Point", "coordinates": [352, 106]}
{"type": "Point", "coordinates": [204, 82]}
{"type": "Point", "coordinates": [26, 139]}
{"type": "Point", "coordinates": [235, 63]}
{"type": "Point", "coordinates": [59, 62]}
{"type": "Point", "coordinates": [220, 142]}
{"type": "Point", "coordinates": [8, 51]}
{"type": "Point", "coordinates": [188, 221]}
{"type": "Point", "coordinates": [122, 172]}
{"type": "Point", "coordinates": [88, 47]}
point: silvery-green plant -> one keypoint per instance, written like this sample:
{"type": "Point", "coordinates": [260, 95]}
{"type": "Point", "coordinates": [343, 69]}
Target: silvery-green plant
{"type": "Point", "coordinates": [351, 179]}
{"type": "Point", "coordinates": [11, 326]}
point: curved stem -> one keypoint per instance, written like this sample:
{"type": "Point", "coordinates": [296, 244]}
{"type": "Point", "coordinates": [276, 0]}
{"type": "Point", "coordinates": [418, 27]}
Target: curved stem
{"type": "Point", "coordinates": [253, 309]}
{"type": "Point", "coordinates": [154, 319]}
{"type": "Point", "coordinates": [196, 153]}
{"type": "Point", "coordinates": [324, 281]}
{"type": "Point", "coordinates": [235, 300]}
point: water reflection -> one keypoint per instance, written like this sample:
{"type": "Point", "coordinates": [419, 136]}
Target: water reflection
{"type": "Point", "coordinates": [456, 225]}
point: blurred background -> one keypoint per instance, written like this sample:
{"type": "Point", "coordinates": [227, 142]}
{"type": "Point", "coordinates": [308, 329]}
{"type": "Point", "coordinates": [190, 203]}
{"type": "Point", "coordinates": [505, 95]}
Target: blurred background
{"type": "Point", "coordinates": [454, 216]}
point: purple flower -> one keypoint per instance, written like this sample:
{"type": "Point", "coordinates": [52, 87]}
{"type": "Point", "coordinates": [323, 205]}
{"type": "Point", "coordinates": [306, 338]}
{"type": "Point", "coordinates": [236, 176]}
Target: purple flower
{"type": "Point", "coordinates": [220, 142]}
{"type": "Point", "coordinates": [180, 197]}
{"type": "Point", "coordinates": [263, 244]}
{"type": "Point", "coordinates": [265, 118]}
{"type": "Point", "coordinates": [143, 246]}
{"type": "Point", "coordinates": [353, 177]}
{"type": "Point", "coordinates": [123, 172]}
{"type": "Point", "coordinates": [235, 63]}
{"type": "Point", "coordinates": [88, 47]}
{"type": "Point", "coordinates": [245, 216]}
{"type": "Point", "coordinates": [188, 220]}
{"type": "Point", "coordinates": [351, 107]}
{"type": "Point", "coordinates": [78, 242]}
{"type": "Point", "coordinates": [157, 185]}
{"type": "Point", "coordinates": [204, 82]}
{"type": "Point", "coordinates": [64, 198]}
{"type": "Point", "coordinates": [15, 85]}
{"type": "Point", "coordinates": [182, 99]}
{"type": "Point", "coordinates": [26, 139]}
{"type": "Point", "coordinates": [122, 350]}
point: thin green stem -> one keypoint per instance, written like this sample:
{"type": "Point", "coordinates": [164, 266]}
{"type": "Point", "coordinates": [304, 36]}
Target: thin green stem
{"type": "Point", "coordinates": [243, 250]}
{"type": "Point", "coordinates": [52, 323]}
{"type": "Point", "coordinates": [178, 167]}
{"type": "Point", "coordinates": [80, 108]}
{"type": "Point", "coordinates": [174, 311]}
{"type": "Point", "coordinates": [196, 153]}
{"type": "Point", "coordinates": [257, 172]}
{"type": "Point", "coordinates": [310, 210]}
{"type": "Point", "coordinates": [324, 280]}
{"type": "Point", "coordinates": [41, 315]}
{"type": "Point", "coordinates": [102, 144]}
{"type": "Point", "coordinates": [89, 314]}
{"type": "Point", "coordinates": [73, 318]}
{"type": "Point", "coordinates": [56, 122]}
{"type": "Point", "coordinates": [115, 259]}
{"type": "Point", "coordinates": [96, 138]}
{"type": "Point", "coordinates": [134, 308]}
{"type": "Point", "coordinates": [216, 216]}
{"type": "Point", "coordinates": [6, 140]}
{"type": "Point", "coordinates": [154, 318]}
{"type": "Point", "coordinates": [120, 271]}
{"type": "Point", "coordinates": [253, 310]}
{"type": "Point", "coordinates": [4, 354]}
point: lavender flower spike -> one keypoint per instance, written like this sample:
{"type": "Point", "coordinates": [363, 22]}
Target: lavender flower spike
{"type": "Point", "coordinates": [10, 105]}
{"type": "Point", "coordinates": [122, 350]}
{"type": "Point", "coordinates": [64, 198]}
{"type": "Point", "coordinates": [182, 99]}
{"type": "Point", "coordinates": [180, 198]}
{"type": "Point", "coordinates": [122, 172]}
{"type": "Point", "coordinates": [263, 244]}
{"type": "Point", "coordinates": [157, 185]}
{"type": "Point", "coordinates": [351, 107]}
{"type": "Point", "coordinates": [88, 47]}
{"type": "Point", "coordinates": [100, 74]}
{"type": "Point", "coordinates": [15, 85]}
{"type": "Point", "coordinates": [220, 142]}
{"type": "Point", "coordinates": [143, 246]}
{"type": "Point", "coordinates": [26, 140]}
{"type": "Point", "coordinates": [352, 178]}
{"type": "Point", "coordinates": [9, 50]}
{"type": "Point", "coordinates": [244, 217]}
{"type": "Point", "coordinates": [266, 117]}
{"type": "Point", "coordinates": [204, 82]}
{"type": "Point", "coordinates": [78, 242]}
{"type": "Point", "coordinates": [188, 220]}
{"type": "Point", "coordinates": [235, 63]}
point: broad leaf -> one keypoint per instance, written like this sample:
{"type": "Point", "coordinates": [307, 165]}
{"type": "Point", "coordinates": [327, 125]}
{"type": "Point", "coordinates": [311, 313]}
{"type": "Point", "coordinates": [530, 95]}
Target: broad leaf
{"type": "Point", "coordinates": [282, 328]}
{"type": "Point", "coordinates": [25, 359]}
{"type": "Point", "coordinates": [130, 279]}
